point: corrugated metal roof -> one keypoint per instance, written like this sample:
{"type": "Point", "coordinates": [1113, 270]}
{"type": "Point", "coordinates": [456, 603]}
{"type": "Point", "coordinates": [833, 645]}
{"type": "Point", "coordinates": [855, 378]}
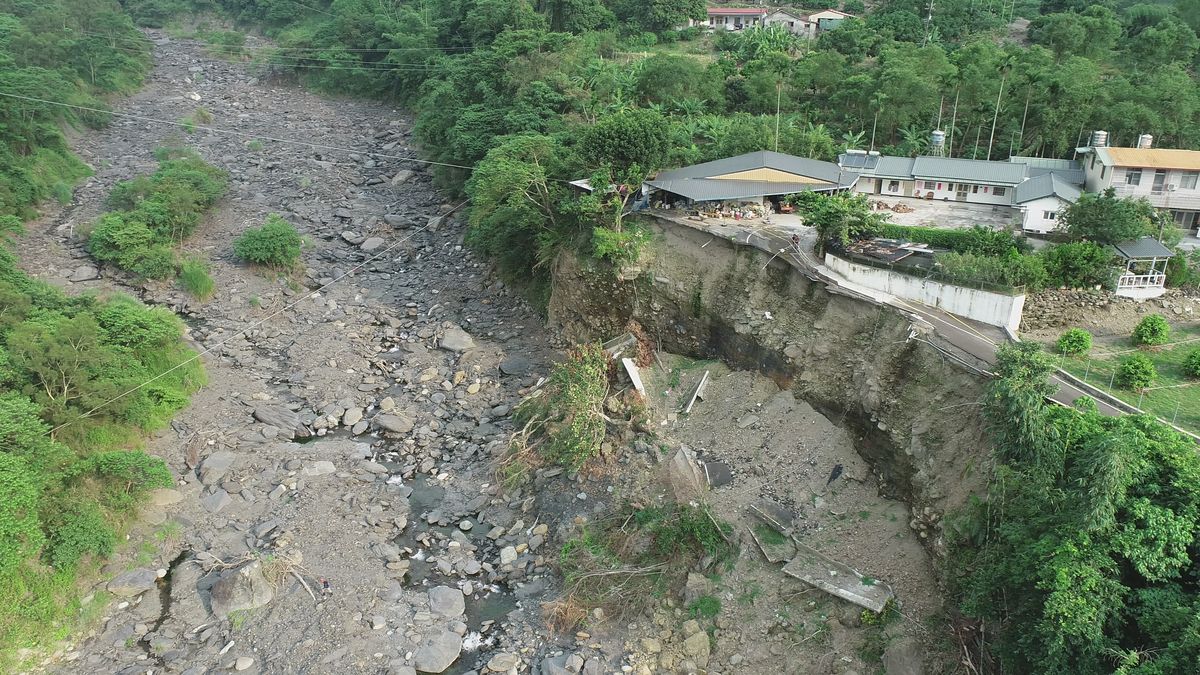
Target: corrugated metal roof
{"type": "Point", "coordinates": [895, 167]}
{"type": "Point", "coordinates": [1146, 247]}
{"type": "Point", "coordinates": [1046, 185]}
{"type": "Point", "coordinates": [709, 190]}
{"type": "Point", "coordinates": [969, 170]}
{"type": "Point", "coordinates": [764, 159]}
{"type": "Point", "coordinates": [1049, 163]}
{"type": "Point", "coordinates": [1150, 158]}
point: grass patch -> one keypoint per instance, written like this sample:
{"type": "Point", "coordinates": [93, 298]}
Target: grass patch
{"type": "Point", "coordinates": [627, 560]}
{"type": "Point", "coordinates": [275, 244]}
{"type": "Point", "coordinates": [563, 422]}
{"type": "Point", "coordinates": [195, 279]}
{"type": "Point", "coordinates": [1174, 396]}
{"type": "Point", "coordinates": [705, 607]}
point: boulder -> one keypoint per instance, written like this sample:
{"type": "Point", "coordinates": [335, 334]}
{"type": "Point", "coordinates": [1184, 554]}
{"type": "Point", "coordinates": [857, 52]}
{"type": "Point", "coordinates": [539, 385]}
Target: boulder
{"type": "Point", "coordinates": [278, 416]}
{"type": "Point", "coordinates": [401, 178]}
{"type": "Point", "coordinates": [216, 501]}
{"type": "Point", "coordinates": [446, 601]}
{"type": "Point", "coordinates": [133, 582]}
{"type": "Point", "coordinates": [516, 366]}
{"type": "Point", "coordinates": [372, 244]}
{"type": "Point", "coordinates": [437, 652]}
{"type": "Point", "coordinates": [215, 467]}
{"type": "Point", "coordinates": [456, 339]}
{"type": "Point", "coordinates": [397, 424]}
{"type": "Point", "coordinates": [504, 662]}
{"type": "Point", "coordinates": [903, 657]}
{"type": "Point", "coordinates": [320, 468]}
{"type": "Point", "coordinates": [241, 588]}
{"type": "Point", "coordinates": [684, 477]}
{"type": "Point", "coordinates": [697, 648]}
{"type": "Point", "coordinates": [84, 273]}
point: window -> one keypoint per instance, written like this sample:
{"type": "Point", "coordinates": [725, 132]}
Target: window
{"type": "Point", "coordinates": [893, 185]}
{"type": "Point", "coordinates": [1188, 182]}
{"type": "Point", "coordinates": [1103, 170]}
{"type": "Point", "coordinates": [999, 192]}
{"type": "Point", "coordinates": [939, 186]}
{"type": "Point", "coordinates": [1094, 161]}
{"type": "Point", "coordinates": [1049, 215]}
{"type": "Point", "coordinates": [974, 189]}
{"type": "Point", "coordinates": [1133, 176]}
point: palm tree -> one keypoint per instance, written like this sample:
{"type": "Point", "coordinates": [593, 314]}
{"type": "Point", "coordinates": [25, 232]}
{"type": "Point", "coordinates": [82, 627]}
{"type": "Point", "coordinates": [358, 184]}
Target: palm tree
{"type": "Point", "coordinates": [854, 139]}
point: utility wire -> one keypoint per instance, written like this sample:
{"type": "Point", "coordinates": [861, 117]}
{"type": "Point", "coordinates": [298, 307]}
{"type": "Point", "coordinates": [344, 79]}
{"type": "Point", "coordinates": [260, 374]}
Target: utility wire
{"type": "Point", "coordinates": [229, 132]}
{"type": "Point", "coordinates": [259, 137]}
{"type": "Point", "coordinates": [151, 43]}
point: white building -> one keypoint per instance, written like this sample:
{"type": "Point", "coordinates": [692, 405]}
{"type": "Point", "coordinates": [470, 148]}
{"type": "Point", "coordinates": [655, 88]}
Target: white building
{"type": "Point", "coordinates": [1042, 200]}
{"type": "Point", "coordinates": [807, 25]}
{"type": "Point", "coordinates": [1169, 179]}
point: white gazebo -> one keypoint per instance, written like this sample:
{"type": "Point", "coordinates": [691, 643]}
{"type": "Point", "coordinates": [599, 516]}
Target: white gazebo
{"type": "Point", "coordinates": [1145, 273]}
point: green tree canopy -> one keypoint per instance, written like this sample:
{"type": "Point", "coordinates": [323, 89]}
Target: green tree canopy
{"type": "Point", "coordinates": [1107, 219]}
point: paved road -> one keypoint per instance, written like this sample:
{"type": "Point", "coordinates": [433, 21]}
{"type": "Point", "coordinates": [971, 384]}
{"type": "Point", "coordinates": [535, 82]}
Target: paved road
{"type": "Point", "coordinates": [974, 342]}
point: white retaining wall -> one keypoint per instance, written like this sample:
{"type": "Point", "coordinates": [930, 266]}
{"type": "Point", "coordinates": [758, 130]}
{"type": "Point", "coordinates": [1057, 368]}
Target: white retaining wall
{"type": "Point", "coordinates": [995, 309]}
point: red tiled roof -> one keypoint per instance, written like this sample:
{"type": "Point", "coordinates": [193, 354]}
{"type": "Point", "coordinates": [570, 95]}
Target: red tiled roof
{"type": "Point", "coordinates": [736, 11]}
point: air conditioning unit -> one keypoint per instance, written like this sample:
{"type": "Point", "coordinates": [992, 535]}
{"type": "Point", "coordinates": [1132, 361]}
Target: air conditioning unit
{"type": "Point", "coordinates": [1172, 187]}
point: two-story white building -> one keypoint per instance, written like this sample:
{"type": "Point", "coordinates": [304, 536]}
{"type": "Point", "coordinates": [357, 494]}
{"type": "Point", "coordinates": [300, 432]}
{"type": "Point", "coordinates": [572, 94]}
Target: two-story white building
{"type": "Point", "coordinates": [1168, 178]}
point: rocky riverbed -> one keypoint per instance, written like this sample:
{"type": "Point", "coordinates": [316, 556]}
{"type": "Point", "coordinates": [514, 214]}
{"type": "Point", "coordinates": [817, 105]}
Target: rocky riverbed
{"type": "Point", "coordinates": [338, 509]}
{"type": "Point", "coordinates": [352, 413]}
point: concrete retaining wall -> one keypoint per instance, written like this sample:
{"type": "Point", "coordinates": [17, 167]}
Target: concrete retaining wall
{"type": "Point", "coordinates": [995, 309]}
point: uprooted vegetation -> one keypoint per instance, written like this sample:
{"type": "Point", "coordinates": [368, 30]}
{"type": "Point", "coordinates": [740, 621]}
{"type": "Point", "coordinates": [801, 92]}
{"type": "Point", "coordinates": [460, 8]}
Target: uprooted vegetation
{"type": "Point", "coordinates": [564, 422]}
{"type": "Point", "coordinates": [633, 557]}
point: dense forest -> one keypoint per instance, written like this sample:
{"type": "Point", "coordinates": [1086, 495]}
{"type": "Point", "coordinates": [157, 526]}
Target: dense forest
{"type": "Point", "coordinates": [1082, 559]}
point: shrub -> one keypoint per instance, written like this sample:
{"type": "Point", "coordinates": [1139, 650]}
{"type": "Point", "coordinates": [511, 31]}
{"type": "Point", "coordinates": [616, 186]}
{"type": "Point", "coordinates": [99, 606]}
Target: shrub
{"type": "Point", "coordinates": [275, 244]}
{"type": "Point", "coordinates": [20, 531]}
{"type": "Point", "coordinates": [619, 248]}
{"type": "Point", "coordinates": [1191, 363]}
{"type": "Point", "coordinates": [1079, 265]}
{"type": "Point", "coordinates": [152, 262]}
{"type": "Point", "coordinates": [79, 529]}
{"type": "Point", "coordinates": [195, 279]}
{"type": "Point", "coordinates": [1075, 341]}
{"type": "Point", "coordinates": [978, 240]}
{"type": "Point", "coordinates": [1011, 269]}
{"type": "Point", "coordinates": [1136, 372]}
{"type": "Point", "coordinates": [1152, 330]}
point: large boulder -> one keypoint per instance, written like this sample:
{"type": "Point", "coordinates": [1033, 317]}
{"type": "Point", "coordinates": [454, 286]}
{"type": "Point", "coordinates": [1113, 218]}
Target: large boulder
{"type": "Point", "coordinates": [437, 652]}
{"type": "Point", "coordinates": [133, 582]}
{"type": "Point", "coordinates": [215, 467]}
{"type": "Point", "coordinates": [684, 477]}
{"type": "Point", "coordinates": [456, 339]}
{"type": "Point", "coordinates": [447, 602]}
{"type": "Point", "coordinates": [241, 588]}
{"type": "Point", "coordinates": [397, 424]}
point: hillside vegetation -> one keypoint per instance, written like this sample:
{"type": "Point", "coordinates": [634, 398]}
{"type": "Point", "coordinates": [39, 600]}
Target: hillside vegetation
{"type": "Point", "coordinates": [72, 51]}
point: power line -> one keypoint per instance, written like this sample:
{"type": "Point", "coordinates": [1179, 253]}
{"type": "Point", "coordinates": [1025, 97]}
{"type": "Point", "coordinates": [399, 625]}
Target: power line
{"type": "Point", "coordinates": [209, 350]}
{"type": "Point", "coordinates": [233, 133]}
{"type": "Point", "coordinates": [151, 43]}
{"type": "Point", "coordinates": [230, 132]}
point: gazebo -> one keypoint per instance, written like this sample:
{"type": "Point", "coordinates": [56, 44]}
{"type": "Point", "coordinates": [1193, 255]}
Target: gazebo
{"type": "Point", "coordinates": [1145, 274]}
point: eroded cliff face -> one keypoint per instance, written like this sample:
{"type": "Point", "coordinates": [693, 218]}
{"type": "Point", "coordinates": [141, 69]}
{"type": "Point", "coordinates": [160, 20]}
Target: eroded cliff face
{"type": "Point", "coordinates": [914, 412]}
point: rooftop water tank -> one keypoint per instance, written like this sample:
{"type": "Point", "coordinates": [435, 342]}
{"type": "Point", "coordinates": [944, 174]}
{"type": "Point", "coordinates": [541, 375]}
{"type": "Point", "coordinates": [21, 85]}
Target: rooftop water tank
{"type": "Point", "coordinates": [1099, 139]}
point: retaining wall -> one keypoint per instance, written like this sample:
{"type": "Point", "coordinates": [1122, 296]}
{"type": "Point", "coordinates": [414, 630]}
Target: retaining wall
{"type": "Point", "coordinates": [995, 309]}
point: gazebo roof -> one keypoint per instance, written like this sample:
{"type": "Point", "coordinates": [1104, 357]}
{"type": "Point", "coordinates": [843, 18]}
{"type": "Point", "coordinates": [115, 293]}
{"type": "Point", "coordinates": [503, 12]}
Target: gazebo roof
{"type": "Point", "coordinates": [1146, 248]}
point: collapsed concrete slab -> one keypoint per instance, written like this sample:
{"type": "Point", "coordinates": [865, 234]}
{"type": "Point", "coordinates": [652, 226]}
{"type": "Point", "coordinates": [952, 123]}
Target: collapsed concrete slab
{"type": "Point", "coordinates": [813, 567]}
